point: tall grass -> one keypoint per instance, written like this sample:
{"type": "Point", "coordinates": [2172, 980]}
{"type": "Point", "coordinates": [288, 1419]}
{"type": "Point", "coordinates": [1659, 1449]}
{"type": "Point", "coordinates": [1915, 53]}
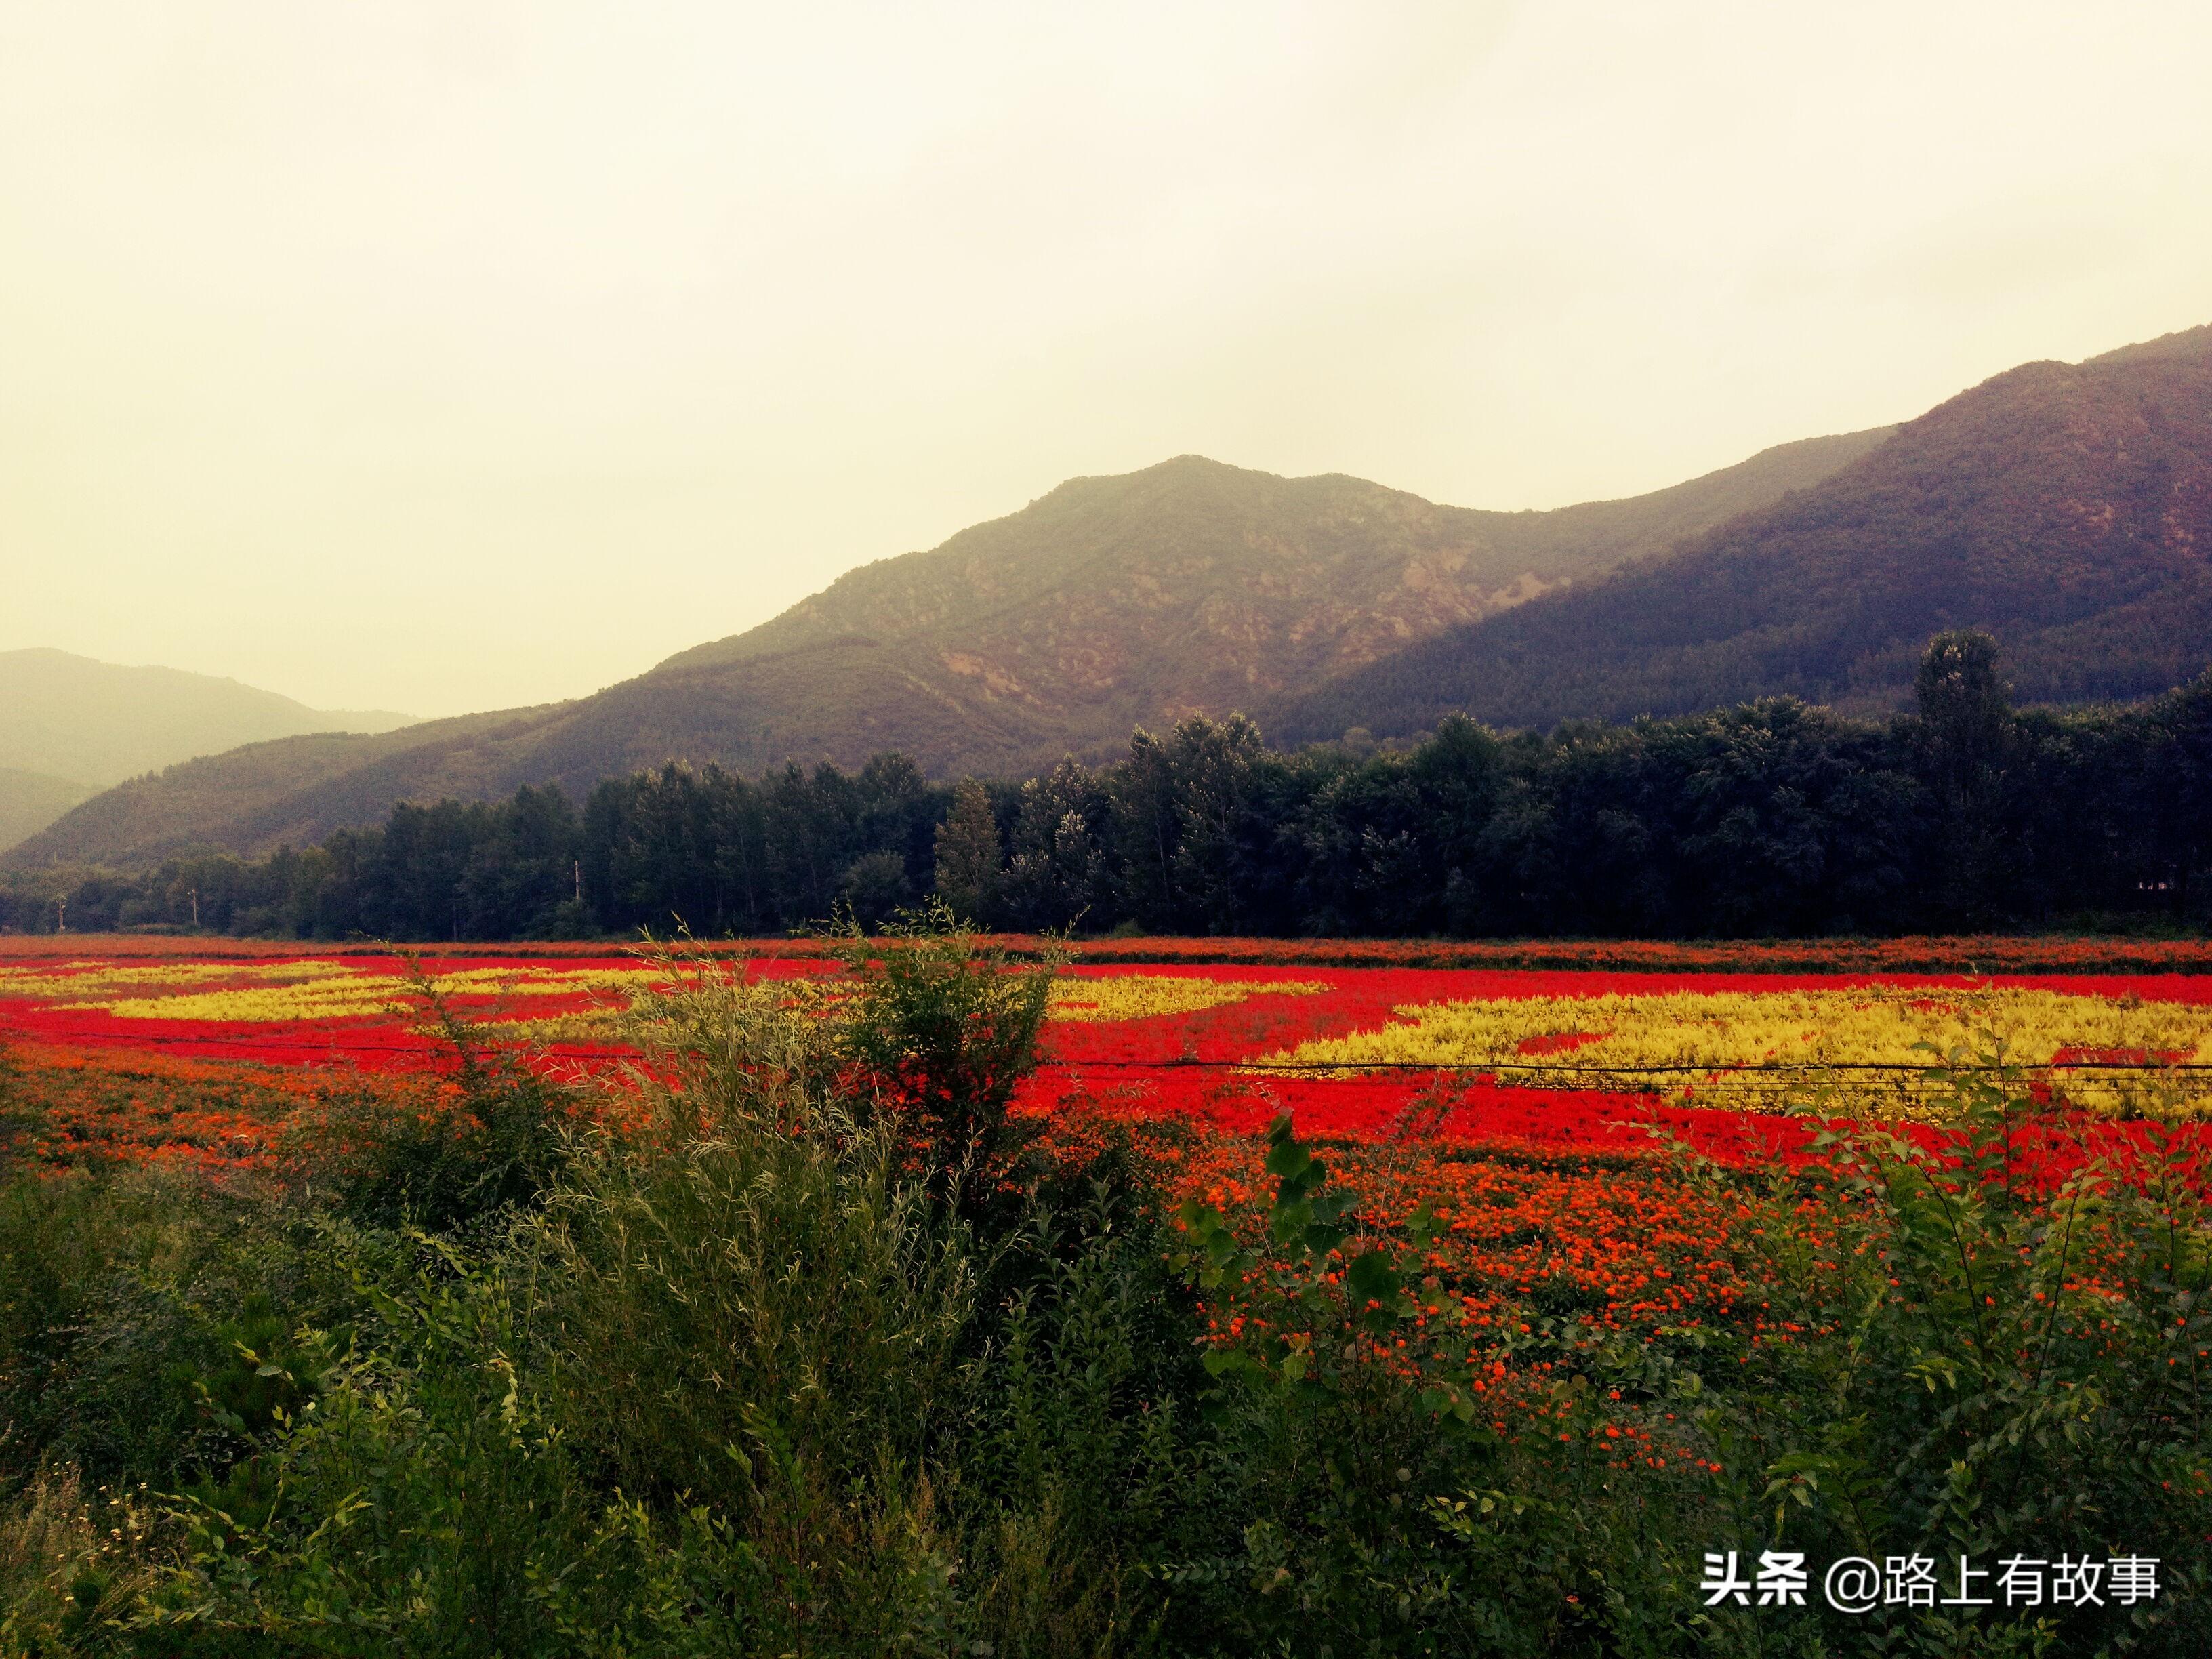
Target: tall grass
{"type": "Point", "coordinates": [805, 1350]}
{"type": "Point", "coordinates": [745, 1299]}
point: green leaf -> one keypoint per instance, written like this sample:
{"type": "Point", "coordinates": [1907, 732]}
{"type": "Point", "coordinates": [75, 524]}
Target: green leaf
{"type": "Point", "coordinates": [1320, 1238]}
{"type": "Point", "coordinates": [1371, 1277]}
{"type": "Point", "coordinates": [1287, 1158]}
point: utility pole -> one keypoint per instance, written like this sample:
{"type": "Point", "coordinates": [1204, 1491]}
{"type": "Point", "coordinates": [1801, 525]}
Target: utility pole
{"type": "Point", "coordinates": [196, 907]}
{"type": "Point", "coordinates": [577, 866]}
{"type": "Point", "coordinates": [61, 912]}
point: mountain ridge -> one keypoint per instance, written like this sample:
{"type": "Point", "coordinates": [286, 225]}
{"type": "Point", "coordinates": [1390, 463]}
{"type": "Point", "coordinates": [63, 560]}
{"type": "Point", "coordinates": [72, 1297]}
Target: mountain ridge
{"type": "Point", "coordinates": [70, 726]}
{"type": "Point", "coordinates": [2066, 507]}
{"type": "Point", "coordinates": [29, 801]}
{"type": "Point", "coordinates": [1110, 601]}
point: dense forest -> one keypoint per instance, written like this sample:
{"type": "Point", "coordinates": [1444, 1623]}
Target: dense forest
{"type": "Point", "coordinates": [1774, 817]}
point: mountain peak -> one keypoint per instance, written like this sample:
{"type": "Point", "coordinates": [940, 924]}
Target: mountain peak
{"type": "Point", "coordinates": [2066, 507]}
{"type": "Point", "coordinates": [2066, 504]}
{"type": "Point", "coordinates": [1188, 586]}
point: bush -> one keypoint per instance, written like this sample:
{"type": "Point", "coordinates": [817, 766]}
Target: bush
{"type": "Point", "coordinates": [1995, 1369]}
{"type": "Point", "coordinates": [126, 1301]}
{"type": "Point", "coordinates": [65, 1555]}
{"type": "Point", "coordinates": [1947, 1360]}
{"type": "Point", "coordinates": [484, 1142]}
{"type": "Point", "coordinates": [736, 1385]}
{"type": "Point", "coordinates": [941, 1028]}
{"type": "Point", "coordinates": [747, 1282]}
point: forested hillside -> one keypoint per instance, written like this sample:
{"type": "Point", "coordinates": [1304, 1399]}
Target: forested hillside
{"type": "Point", "coordinates": [1773, 817]}
{"type": "Point", "coordinates": [31, 800]}
{"type": "Point", "coordinates": [2066, 507]}
{"type": "Point", "coordinates": [289, 791]}
{"type": "Point", "coordinates": [70, 727]}
{"type": "Point", "coordinates": [1110, 602]}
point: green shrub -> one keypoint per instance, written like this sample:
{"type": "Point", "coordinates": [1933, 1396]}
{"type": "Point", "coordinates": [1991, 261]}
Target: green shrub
{"type": "Point", "coordinates": [69, 1558]}
{"type": "Point", "coordinates": [127, 1300]}
{"type": "Point", "coordinates": [486, 1142]}
{"type": "Point", "coordinates": [748, 1285]}
{"type": "Point", "coordinates": [1994, 1369]}
{"type": "Point", "coordinates": [1082, 1454]}
{"type": "Point", "coordinates": [941, 1028]}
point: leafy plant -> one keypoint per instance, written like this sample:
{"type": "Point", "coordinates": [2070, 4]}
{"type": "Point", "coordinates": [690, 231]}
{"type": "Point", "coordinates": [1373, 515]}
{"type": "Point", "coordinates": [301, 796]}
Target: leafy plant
{"type": "Point", "coordinates": [486, 1141]}
{"type": "Point", "coordinates": [940, 1027]}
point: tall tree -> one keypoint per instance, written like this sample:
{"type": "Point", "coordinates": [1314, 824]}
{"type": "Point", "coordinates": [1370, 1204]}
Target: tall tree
{"type": "Point", "coordinates": [1966, 723]}
{"type": "Point", "coordinates": [1056, 873]}
{"type": "Point", "coordinates": [968, 869]}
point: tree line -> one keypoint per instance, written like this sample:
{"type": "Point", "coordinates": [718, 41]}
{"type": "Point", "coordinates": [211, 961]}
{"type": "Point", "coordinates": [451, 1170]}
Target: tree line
{"type": "Point", "coordinates": [1775, 818]}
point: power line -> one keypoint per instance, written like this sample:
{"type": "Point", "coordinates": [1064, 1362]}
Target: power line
{"type": "Point", "coordinates": [1489, 1068]}
{"type": "Point", "coordinates": [1711, 1079]}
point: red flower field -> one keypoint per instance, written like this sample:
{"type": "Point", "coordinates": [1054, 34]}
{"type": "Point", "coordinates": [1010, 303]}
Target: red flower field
{"type": "Point", "coordinates": [108, 1035]}
{"type": "Point", "coordinates": [1537, 1216]}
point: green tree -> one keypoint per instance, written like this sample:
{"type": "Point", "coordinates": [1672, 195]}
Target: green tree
{"type": "Point", "coordinates": [968, 855]}
{"type": "Point", "coordinates": [1057, 871]}
{"type": "Point", "coordinates": [1967, 728]}
{"type": "Point", "coordinates": [2177, 768]}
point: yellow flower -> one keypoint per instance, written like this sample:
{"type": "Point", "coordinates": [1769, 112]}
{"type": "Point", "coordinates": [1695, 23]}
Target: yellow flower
{"type": "Point", "coordinates": [1139, 996]}
{"type": "Point", "coordinates": [1673, 1040]}
{"type": "Point", "coordinates": [339, 992]}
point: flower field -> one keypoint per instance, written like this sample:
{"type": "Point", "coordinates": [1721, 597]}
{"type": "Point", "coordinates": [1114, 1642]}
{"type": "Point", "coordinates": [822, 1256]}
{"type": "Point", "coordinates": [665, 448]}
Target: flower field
{"type": "Point", "coordinates": [1546, 1061]}
{"type": "Point", "coordinates": [1526, 1108]}
{"type": "Point", "coordinates": [1971, 954]}
{"type": "Point", "coordinates": [1529, 1112]}
{"type": "Point", "coordinates": [1599, 1232]}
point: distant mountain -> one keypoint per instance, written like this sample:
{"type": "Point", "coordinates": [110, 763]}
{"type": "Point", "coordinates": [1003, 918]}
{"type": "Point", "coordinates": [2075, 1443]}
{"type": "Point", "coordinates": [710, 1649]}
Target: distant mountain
{"type": "Point", "coordinates": [70, 726]}
{"type": "Point", "coordinates": [99, 723]}
{"type": "Point", "coordinates": [1107, 603]}
{"type": "Point", "coordinates": [2067, 507]}
{"type": "Point", "coordinates": [29, 801]}
{"type": "Point", "coordinates": [293, 791]}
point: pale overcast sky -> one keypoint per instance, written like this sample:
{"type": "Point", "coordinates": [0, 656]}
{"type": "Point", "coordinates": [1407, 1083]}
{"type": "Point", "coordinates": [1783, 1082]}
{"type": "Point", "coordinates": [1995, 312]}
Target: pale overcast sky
{"type": "Point", "coordinates": [462, 354]}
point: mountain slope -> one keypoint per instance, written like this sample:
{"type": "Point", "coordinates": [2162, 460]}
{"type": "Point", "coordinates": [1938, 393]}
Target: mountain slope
{"type": "Point", "coordinates": [2067, 507]}
{"type": "Point", "coordinates": [71, 717]}
{"type": "Point", "coordinates": [29, 801]}
{"type": "Point", "coordinates": [291, 791]}
{"type": "Point", "coordinates": [1108, 603]}
{"type": "Point", "coordinates": [1097, 586]}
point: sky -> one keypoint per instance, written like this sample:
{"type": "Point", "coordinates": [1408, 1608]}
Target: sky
{"type": "Point", "coordinates": [443, 357]}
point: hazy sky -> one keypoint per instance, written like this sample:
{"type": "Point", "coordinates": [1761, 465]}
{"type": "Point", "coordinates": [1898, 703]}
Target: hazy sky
{"type": "Point", "coordinates": [458, 355]}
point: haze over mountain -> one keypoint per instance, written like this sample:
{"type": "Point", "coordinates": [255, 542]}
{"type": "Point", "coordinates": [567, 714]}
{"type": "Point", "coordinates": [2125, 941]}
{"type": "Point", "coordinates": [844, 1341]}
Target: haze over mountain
{"type": "Point", "coordinates": [1107, 603]}
{"type": "Point", "coordinates": [2066, 507]}
{"type": "Point", "coordinates": [29, 801]}
{"type": "Point", "coordinates": [70, 727]}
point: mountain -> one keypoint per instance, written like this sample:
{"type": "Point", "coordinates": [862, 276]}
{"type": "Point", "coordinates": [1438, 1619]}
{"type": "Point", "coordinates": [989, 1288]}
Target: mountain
{"type": "Point", "coordinates": [70, 726]}
{"type": "Point", "coordinates": [29, 801]}
{"type": "Point", "coordinates": [290, 792]}
{"type": "Point", "coordinates": [2067, 507]}
{"type": "Point", "coordinates": [99, 723]}
{"type": "Point", "coordinates": [1108, 603]}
